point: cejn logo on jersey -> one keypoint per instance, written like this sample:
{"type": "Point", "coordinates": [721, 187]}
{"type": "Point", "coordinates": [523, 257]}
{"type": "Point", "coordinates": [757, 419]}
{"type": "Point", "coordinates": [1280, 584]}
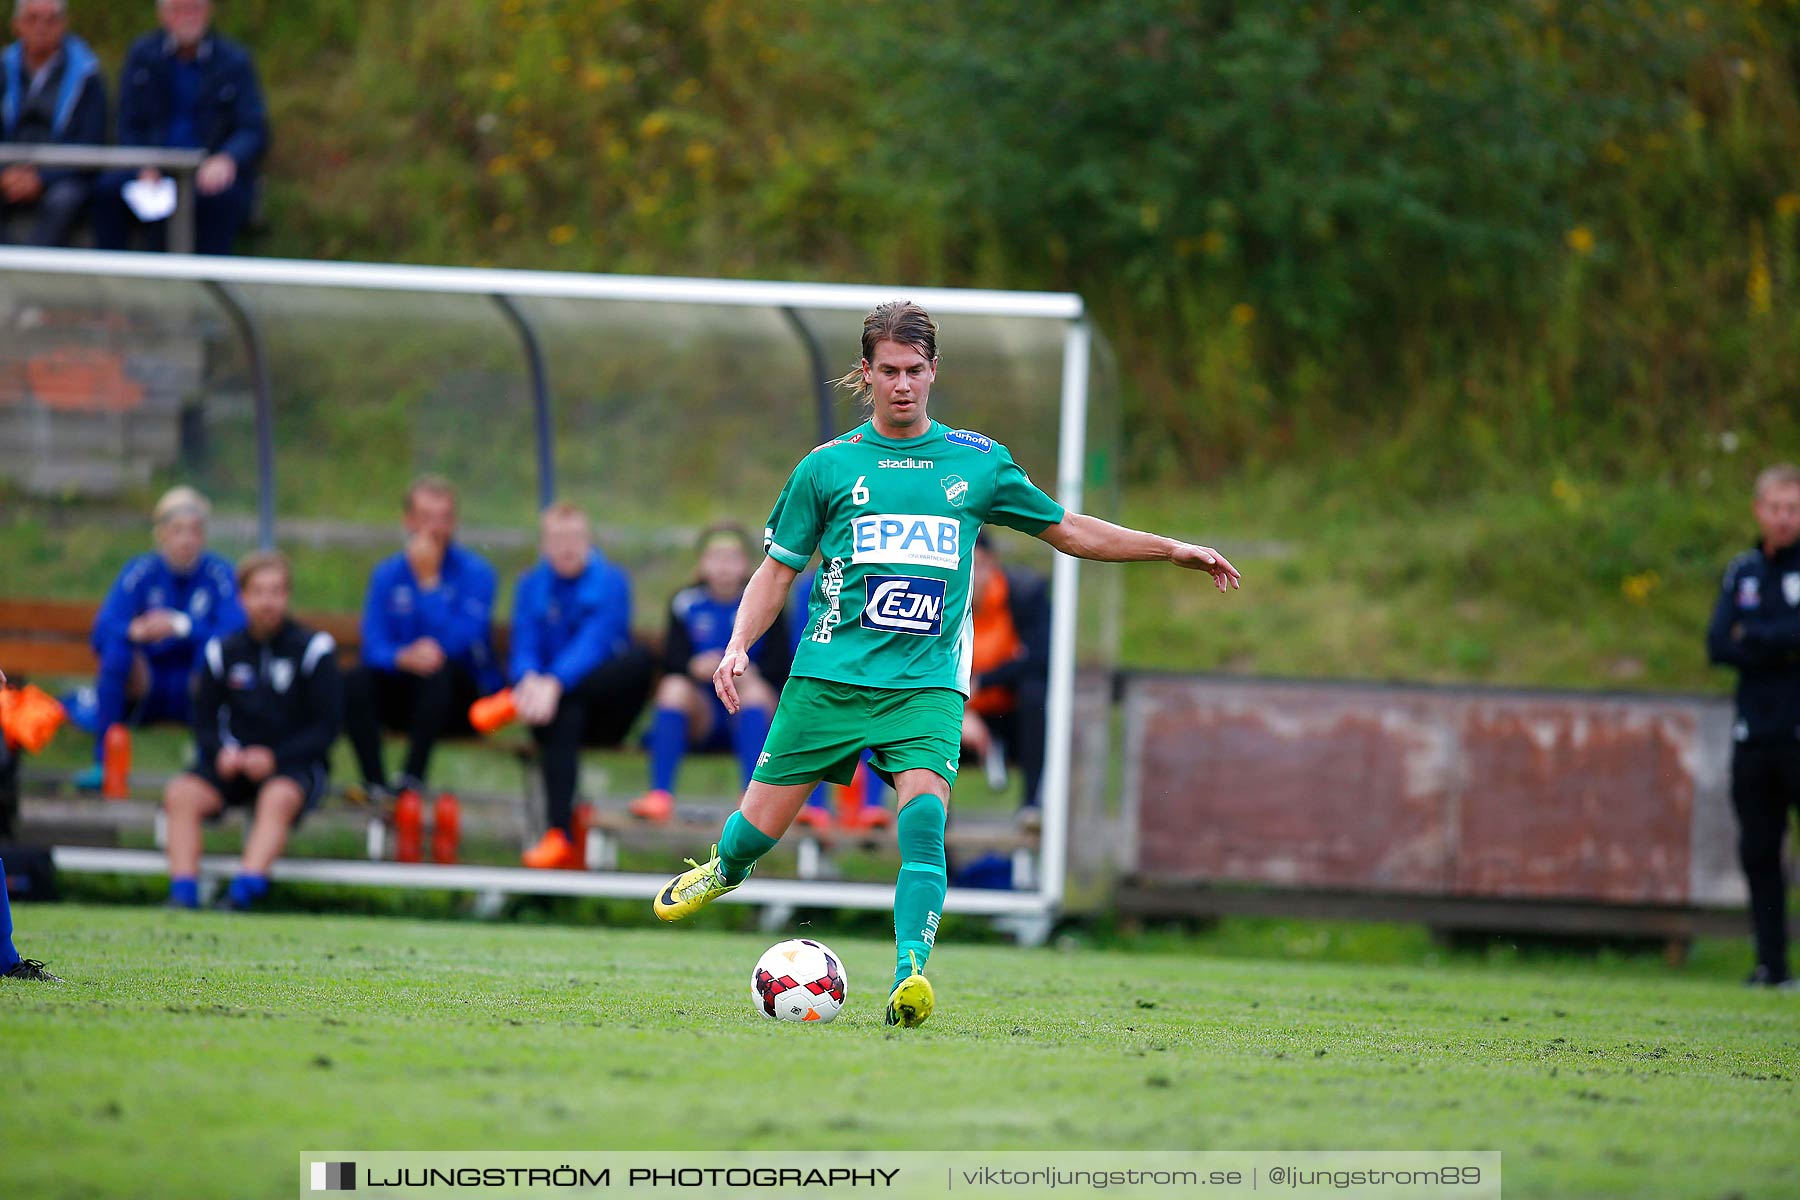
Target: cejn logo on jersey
{"type": "Point", "coordinates": [909, 538]}
{"type": "Point", "coordinates": [904, 604]}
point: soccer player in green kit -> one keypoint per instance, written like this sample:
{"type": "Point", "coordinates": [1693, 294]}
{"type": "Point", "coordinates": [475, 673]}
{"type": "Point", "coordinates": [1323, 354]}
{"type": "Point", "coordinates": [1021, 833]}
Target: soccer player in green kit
{"type": "Point", "coordinates": [892, 508]}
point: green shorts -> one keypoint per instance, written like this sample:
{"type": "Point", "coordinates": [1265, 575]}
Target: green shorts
{"type": "Point", "coordinates": [821, 728]}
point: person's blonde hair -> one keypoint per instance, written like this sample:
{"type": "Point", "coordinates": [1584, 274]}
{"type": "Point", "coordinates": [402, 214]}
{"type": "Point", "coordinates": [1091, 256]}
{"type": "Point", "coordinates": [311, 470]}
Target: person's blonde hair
{"type": "Point", "coordinates": [563, 510]}
{"type": "Point", "coordinates": [896, 321]}
{"type": "Point", "coordinates": [436, 485]}
{"type": "Point", "coordinates": [181, 501]}
{"type": "Point", "coordinates": [1778, 475]}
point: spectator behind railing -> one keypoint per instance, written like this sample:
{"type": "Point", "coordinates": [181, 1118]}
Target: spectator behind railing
{"type": "Point", "coordinates": [161, 610]}
{"type": "Point", "coordinates": [188, 87]}
{"type": "Point", "coordinates": [266, 708]}
{"type": "Point", "coordinates": [51, 91]}
{"type": "Point", "coordinates": [577, 676]}
{"type": "Point", "coordinates": [688, 711]}
{"type": "Point", "coordinates": [426, 653]}
{"type": "Point", "coordinates": [1010, 620]}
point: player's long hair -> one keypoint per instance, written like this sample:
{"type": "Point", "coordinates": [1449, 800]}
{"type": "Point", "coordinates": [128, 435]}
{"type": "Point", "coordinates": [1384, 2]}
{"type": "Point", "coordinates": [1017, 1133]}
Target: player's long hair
{"type": "Point", "coordinates": [896, 321]}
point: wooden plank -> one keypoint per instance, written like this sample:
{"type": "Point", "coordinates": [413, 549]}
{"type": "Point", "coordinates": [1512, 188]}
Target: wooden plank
{"type": "Point", "coordinates": [27, 656]}
{"type": "Point", "coordinates": [28, 615]}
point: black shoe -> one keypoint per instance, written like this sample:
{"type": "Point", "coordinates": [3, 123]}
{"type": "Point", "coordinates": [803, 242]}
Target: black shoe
{"type": "Point", "coordinates": [1766, 976]}
{"type": "Point", "coordinates": [226, 902]}
{"type": "Point", "coordinates": [32, 969]}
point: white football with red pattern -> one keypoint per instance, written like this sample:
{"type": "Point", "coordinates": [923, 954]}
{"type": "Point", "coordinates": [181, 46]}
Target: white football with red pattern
{"type": "Point", "coordinates": [798, 980]}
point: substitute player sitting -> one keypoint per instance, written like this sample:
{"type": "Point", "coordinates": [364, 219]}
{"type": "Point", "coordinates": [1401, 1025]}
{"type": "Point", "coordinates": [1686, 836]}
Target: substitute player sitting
{"type": "Point", "coordinates": [893, 508]}
{"type": "Point", "coordinates": [688, 712]}
{"type": "Point", "coordinates": [577, 677]}
{"type": "Point", "coordinates": [160, 611]}
{"type": "Point", "coordinates": [266, 708]}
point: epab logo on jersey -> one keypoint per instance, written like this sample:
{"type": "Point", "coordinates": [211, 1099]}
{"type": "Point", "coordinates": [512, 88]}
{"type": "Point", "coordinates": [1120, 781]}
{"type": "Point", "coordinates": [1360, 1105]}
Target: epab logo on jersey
{"type": "Point", "coordinates": [904, 604]}
{"type": "Point", "coordinates": [912, 539]}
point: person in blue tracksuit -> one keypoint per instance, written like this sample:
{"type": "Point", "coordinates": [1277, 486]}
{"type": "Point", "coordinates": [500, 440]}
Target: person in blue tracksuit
{"type": "Point", "coordinates": [1755, 629]}
{"type": "Point", "coordinates": [163, 608]}
{"type": "Point", "coordinates": [186, 87]}
{"type": "Point", "coordinates": [51, 92]}
{"type": "Point", "coordinates": [688, 712]}
{"type": "Point", "coordinates": [427, 652]}
{"type": "Point", "coordinates": [577, 677]}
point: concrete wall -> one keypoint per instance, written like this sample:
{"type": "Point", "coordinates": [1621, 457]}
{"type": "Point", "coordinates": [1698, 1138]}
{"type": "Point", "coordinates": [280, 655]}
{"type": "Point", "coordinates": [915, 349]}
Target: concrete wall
{"type": "Point", "coordinates": [1429, 791]}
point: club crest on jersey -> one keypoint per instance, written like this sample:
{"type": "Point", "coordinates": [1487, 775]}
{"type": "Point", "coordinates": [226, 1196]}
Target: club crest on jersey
{"type": "Point", "coordinates": [968, 437]}
{"type": "Point", "coordinates": [1790, 588]}
{"type": "Point", "coordinates": [919, 541]}
{"type": "Point", "coordinates": [904, 604]}
{"type": "Point", "coordinates": [281, 674]}
{"type": "Point", "coordinates": [956, 489]}
{"type": "Point", "coordinates": [1749, 592]}
{"type": "Point", "coordinates": [241, 676]}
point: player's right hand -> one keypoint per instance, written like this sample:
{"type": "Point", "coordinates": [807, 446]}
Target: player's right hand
{"type": "Point", "coordinates": [732, 664]}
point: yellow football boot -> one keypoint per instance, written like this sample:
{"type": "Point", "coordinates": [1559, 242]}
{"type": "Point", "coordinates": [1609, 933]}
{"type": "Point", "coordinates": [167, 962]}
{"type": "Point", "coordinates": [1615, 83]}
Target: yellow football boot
{"type": "Point", "coordinates": [693, 889]}
{"type": "Point", "coordinates": [909, 1004]}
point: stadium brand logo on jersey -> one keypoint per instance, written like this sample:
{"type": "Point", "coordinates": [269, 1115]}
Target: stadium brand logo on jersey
{"type": "Point", "coordinates": [241, 676]}
{"type": "Point", "coordinates": [281, 674]}
{"type": "Point", "coordinates": [956, 489]}
{"type": "Point", "coordinates": [831, 586]}
{"type": "Point", "coordinates": [1749, 592]}
{"type": "Point", "coordinates": [919, 541]}
{"type": "Point", "coordinates": [968, 437]}
{"type": "Point", "coordinates": [907, 464]}
{"type": "Point", "coordinates": [1790, 588]}
{"type": "Point", "coordinates": [904, 604]}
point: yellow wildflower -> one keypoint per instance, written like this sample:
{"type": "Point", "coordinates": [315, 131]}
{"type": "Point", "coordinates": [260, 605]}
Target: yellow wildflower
{"type": "Point", "coordinates": [1580, 239]}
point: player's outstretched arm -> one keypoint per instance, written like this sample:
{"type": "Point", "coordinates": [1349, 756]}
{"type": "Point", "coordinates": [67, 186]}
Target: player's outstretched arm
{"type": "Point", "coordinates": [763, 599]}
{"type": "Point", "coordinates": [1081, 536]}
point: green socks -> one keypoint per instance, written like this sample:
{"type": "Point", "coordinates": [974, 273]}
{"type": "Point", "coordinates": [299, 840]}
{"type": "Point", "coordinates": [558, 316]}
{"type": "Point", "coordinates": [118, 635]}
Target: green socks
{"type": "Point", "coordinates": [919, 892]}
{"type": "Point", "coordinates": [741, 844]}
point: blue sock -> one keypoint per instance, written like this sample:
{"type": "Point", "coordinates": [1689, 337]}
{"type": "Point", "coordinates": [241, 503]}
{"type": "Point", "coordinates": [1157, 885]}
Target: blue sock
{"type": "Point", "coordinates": [248, 889]}
{"type": "Point", "coordinates": [747, 738]}
{"type": "Point", "coordinates": [668, 742]}
{"type": "Point", "coordinates": [184, 890]}
{"type": "Point", "coordinates": [9, 957]}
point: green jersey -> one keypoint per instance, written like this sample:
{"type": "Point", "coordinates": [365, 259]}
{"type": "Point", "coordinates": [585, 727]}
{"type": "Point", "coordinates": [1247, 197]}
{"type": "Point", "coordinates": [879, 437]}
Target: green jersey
{"type": "Point", "coordinates": [894, 524]}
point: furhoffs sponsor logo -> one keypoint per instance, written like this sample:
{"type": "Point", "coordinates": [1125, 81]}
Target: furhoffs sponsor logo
{"type": "Point", "coordinates": [333, 1177]}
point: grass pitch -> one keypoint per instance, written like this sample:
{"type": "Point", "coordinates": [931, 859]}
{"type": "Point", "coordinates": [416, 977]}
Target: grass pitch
{"type": "Point", "coordinates": [194, 1054]}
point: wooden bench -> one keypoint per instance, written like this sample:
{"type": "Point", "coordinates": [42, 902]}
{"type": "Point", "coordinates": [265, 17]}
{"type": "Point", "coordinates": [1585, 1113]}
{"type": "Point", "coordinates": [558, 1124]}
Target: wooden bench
{"type": "Point", "coordinates": [50, 638]}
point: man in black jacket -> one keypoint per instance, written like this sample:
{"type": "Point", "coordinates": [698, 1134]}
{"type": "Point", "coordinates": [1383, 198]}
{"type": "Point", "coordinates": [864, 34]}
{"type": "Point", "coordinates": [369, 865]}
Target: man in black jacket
{"type": "Point", "coordinates": [1756, 629]}
{"type": "Point", "coordinates": [267, 701]}
{"type": "Point", "coordinates": [186, 87]}
{"type": "Point", "coordinates": [51, 92]}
